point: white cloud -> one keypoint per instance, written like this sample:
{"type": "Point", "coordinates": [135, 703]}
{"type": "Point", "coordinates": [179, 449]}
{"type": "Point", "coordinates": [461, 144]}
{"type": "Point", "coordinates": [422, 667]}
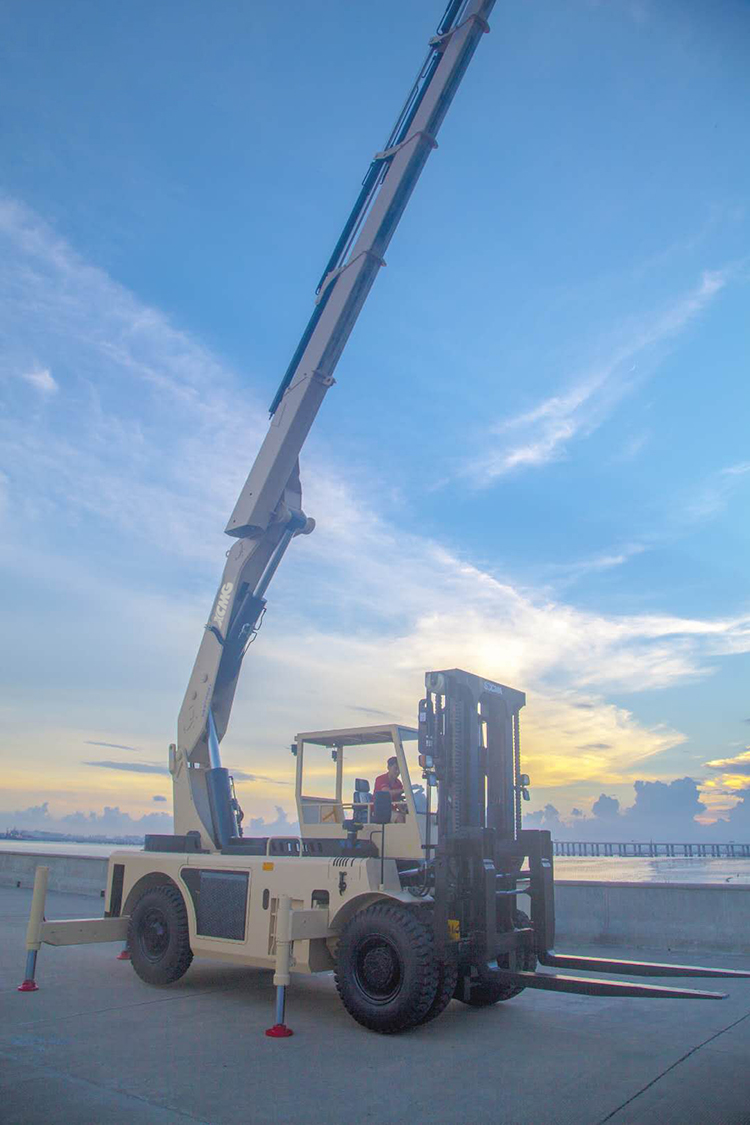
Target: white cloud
{"type": "Point", "coordinates": [150, 452]}
{"type": "Point", "coordinates": [42, 380]}
{"type": "Point", "coordinates": [112, 821]}
{"type": "Point", "coordinates": [153, 418]}
{"type": "Point", "coordinates": [543, 434]}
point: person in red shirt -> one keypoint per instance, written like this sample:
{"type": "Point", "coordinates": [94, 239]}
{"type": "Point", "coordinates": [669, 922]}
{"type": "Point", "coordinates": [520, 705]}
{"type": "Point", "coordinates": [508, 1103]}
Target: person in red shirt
{"type": "Point", "coordinates": [395, 786]}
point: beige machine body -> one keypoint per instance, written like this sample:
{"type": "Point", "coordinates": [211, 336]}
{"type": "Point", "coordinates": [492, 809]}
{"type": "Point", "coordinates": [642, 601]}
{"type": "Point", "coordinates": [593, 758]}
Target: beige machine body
{"type": "Point", "coordinates": [333, 886]}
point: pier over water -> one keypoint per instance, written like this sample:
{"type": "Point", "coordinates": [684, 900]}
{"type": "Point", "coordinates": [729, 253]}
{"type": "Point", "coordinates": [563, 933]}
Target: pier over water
{"type": "Point", "coordinates": [650, 849]}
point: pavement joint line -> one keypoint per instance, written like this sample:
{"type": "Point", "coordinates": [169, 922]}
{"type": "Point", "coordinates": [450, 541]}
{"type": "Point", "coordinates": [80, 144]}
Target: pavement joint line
{"type": "Point", "coordinates": [672, 1066]}
{"type": "Point", "coordinates": [123, 1093]}
{"type": "Point", "coordinates": [124, 1007]}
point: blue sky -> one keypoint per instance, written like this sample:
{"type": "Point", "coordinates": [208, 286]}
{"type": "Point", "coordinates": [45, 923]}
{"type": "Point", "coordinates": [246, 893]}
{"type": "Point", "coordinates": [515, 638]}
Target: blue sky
{"type": "Point", "coordinates": [534, 464]}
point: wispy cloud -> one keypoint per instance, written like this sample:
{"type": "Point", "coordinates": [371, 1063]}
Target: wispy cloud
{"type": "Point", "coordinates": [715, 494]}
{"type": "Point", "coordinates": [147, 407]}
{"type": "Point", "coordinates": [565, 574]}
{"type": "Point", "coordinates": [371, 711]}
{"type": "Point", "coordinates": [155, 767]}
{"type": "Point", "coordinates": [42, 380]}
{"type": "Point", "coordinates": [109, 745]}
{"type": "Point", "coordinates": [545, 432]}
{"type": "Point", "coordinates": [130, 767]}
{"type": "Point", "coordinates": [632, 447]}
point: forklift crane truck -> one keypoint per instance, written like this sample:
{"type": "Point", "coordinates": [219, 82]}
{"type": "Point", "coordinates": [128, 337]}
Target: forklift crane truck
{"type": "Point", "coordinates": [409, 907]}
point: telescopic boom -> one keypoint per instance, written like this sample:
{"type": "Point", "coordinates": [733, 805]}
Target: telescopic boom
{"type": "Point", "coordinates": [268, 513]}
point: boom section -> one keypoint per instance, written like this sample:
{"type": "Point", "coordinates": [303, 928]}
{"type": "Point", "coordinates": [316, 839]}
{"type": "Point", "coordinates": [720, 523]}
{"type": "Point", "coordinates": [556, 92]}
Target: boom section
{"type": "Point", "coordinates": [268, 512]}
{"type": "Point", "coordinates": [352, 269]}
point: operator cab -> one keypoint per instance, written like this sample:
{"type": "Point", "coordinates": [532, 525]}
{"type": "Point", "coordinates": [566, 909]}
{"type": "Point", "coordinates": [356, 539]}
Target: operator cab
{"type": "Point", "coordinates": [336, 771]}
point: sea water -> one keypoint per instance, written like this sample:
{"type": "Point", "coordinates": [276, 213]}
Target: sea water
{"type": "Point", "coordinates": [610, 869]}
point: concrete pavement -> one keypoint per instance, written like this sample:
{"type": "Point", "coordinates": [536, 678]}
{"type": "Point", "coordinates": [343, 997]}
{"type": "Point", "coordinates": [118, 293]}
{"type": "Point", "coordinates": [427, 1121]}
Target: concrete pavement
{"type": "Point", "coordinates": [96, 1045]}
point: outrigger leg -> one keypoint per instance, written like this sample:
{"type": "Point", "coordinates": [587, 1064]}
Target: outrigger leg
{"type": "Point", "coordinates": [281, 978]}
{"type": "Point", "coordinates": [34, 929]}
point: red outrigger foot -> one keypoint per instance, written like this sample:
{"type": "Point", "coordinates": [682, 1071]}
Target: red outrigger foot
{"type": "Point", "coordinates": [123, 956]}
{"type": "Point", "coordinates": [28, 986]}
{"type": "Point", "coordinates": [279, 1031]}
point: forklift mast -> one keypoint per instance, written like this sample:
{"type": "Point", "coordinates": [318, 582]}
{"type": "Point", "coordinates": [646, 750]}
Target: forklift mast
{"type": "Point", "coordinates": [469, 737]}
{"type": "Point", "coordinates": [268, 513]}
{"type": "Point", "coordinates": [473, 725]}
{"type": "Point", "coordinates": [469, 743]}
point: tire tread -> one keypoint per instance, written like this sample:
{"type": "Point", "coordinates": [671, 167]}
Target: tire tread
{"type": "Point", "coordinates": [181, 961]}
{"type": "Point", "coordinates": [419, 938]}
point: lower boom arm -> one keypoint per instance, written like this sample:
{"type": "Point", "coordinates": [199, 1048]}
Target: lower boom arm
{"type": "Point", "coordinates": [202, 789]}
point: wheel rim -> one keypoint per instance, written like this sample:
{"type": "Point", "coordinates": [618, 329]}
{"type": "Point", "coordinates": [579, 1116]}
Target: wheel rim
{"type": "Point", "coordinates": [378, 969]}
{"type": "Point", "coordinates": [153, 933]}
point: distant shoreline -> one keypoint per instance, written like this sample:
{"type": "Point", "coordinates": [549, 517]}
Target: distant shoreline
{"type": "Point", "coordinates": [62, 838]}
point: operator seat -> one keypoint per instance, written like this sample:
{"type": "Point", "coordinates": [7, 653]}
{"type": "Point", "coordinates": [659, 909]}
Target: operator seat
{"type": "Point", "coordinates": [361, 800]}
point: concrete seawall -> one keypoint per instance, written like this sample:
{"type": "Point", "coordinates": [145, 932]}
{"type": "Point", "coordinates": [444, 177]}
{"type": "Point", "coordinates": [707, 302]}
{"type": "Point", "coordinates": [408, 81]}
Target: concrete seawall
{"type": "Point", "coordinates": [656, 915]}
{"type": "Point", "coordinates": [75, 874]}
{"type": "Point", "coordinates": [689, 916]}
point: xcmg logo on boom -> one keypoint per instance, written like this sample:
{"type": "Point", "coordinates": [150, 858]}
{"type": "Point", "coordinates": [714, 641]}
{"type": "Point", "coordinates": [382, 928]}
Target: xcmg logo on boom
{"type": "Point", "coordinates": [222, 604]}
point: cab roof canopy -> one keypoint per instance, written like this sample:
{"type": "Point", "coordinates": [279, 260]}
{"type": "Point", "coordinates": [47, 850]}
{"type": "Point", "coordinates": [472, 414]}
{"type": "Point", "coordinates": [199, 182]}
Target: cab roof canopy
{"type": "Point", "coordinates": [358, 736]}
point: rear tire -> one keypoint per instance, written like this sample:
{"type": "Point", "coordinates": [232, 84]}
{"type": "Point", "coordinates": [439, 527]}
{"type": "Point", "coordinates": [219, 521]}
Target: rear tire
{"type": "Point", "coordinates": [386, 972]}
{"type": "Point", "coordinates": [158, 936]}
{"type": "Point", "coordinates": [477, 994]}
{"type": "Point", "coordinates": [446, 987]}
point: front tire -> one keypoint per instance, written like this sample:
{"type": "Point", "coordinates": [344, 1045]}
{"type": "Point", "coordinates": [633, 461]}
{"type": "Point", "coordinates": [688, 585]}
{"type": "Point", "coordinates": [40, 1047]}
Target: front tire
{"type": "Point", "coordinates": [447, 977]}
{"type": "Point", "coordinates": [158, 936]}
{"type": "Point", "coordinates": [446, 988]}
{"type": "Point", "coordinates": [386, 971]}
